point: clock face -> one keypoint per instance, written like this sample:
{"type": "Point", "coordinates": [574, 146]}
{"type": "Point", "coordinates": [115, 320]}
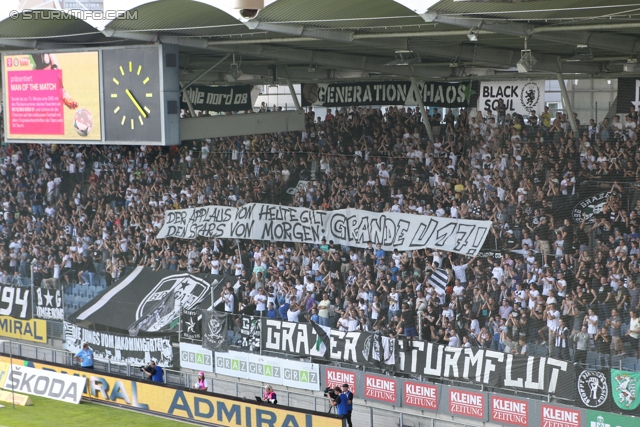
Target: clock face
{"type": "Point", "coordinates": [131, 84]}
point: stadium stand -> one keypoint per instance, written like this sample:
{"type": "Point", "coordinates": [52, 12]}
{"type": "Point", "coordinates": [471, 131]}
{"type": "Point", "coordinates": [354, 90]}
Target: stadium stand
{"type": "Point", "coordinates": [97, 210]}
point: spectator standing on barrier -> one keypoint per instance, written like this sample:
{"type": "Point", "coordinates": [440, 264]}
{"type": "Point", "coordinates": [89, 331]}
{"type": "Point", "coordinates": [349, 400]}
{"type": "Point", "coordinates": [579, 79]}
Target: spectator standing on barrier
{"type": "Point", "coordinates": [85, 356]}
{"type": "Point", "coordinates": [201, 383]}
{"type": "Point", "coordinates": [633, 334]}
{"type": "Point", "coordinates": [269, 396]}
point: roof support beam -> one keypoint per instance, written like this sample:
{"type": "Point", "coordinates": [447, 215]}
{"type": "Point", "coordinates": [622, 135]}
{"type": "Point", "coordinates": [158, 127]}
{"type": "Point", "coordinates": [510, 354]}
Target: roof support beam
{"type": "Point", "coordinates": [300, 31]}
{"type": "Point", "coordinates": [611, 42]}
{"type": "Point", "coordinates": [31, 44]}
{"type": "Point", "coordinates": [464, 52]}
{"type": "Point", "coordinates": [131, 35]}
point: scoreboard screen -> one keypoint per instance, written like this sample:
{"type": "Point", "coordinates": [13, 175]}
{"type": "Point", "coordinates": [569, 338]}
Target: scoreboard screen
{"type": "Point", "coordinates": [101, 96]}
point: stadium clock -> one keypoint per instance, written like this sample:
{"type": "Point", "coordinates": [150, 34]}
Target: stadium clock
{"type": "Point", "coordinates": [132, 95]}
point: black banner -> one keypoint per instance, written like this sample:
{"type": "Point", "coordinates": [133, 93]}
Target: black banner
{"type": "Point", "coordinates": [118, 348]}
{"type": "Point", "coordinates": [594, 389]}
{"type": "Point", "coordinates": [495, 369]}
{"type": "Point", "coordinates": [190, 325]}
{"type": "Point", "coordinates": [159, 318]}
{"type": "Point", "coordinates": [628, 95]}
{"type": "Point", "coordinates": [218, 98]}
{"type": "Point", "coordinates": [48, 303]}
{"type": "Point", "coordinates": [250, 333]}
{"type": "Point", "coordinates": [215, 326]}
{"type": "Point", "coordinates": [434, 94]}
{"type": "Point", "coordinates": [139, 293]}
{"type": "Point", "coordinates": [15, 302]}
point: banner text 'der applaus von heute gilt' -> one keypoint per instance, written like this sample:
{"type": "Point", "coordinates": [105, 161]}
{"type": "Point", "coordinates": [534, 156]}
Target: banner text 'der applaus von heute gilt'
{"type": "Point", "coordinates": [350, 227]}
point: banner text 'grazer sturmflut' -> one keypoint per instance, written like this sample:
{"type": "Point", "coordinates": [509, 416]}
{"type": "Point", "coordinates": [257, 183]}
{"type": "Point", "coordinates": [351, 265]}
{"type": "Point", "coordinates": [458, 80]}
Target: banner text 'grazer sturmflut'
{"type": "Point", "coordinates": [495, 369]}
{"type": "Point", "coordinates": [351, 227]}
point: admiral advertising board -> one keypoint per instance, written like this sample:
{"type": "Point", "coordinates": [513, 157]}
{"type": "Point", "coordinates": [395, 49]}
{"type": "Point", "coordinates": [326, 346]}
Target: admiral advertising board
{"type": "Point", "coordinates": [34, 330]}
{"type": "Point", "coordinates": [182, 403]}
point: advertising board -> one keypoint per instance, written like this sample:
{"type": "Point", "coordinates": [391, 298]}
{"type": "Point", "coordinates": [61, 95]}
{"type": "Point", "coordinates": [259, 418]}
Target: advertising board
{"type": "Point", "coordinates": [187, 404]}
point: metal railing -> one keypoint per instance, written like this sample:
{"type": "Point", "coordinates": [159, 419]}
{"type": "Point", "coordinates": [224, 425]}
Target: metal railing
{"type": "Point", "coordinates": [366, 416]}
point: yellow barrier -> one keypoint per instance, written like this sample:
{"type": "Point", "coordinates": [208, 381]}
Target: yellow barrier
{"type": "Point", "coordinates": [30, 330]}
{"type": "Point", "coordinates": [181, 403]}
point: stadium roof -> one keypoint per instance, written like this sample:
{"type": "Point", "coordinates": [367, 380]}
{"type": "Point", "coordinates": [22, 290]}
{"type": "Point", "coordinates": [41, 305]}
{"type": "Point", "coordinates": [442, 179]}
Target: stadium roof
{"type": "Point", "coordinates": [328, 40]}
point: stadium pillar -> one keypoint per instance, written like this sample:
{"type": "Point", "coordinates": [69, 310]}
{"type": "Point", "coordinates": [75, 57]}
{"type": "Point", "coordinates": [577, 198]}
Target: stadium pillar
{"type": "Point", "coordinates": [423, 111]}
{"type": "Point", "coordinates": [292, 91]}
{"type": "Point", "coordinates": [192, 111]}
{"type": "Point", "coordinates": [567, 104]}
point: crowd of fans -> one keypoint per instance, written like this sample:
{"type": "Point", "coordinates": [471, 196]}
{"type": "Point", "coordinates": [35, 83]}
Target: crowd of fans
{"type": "Point", "coordinates": [71, 212]}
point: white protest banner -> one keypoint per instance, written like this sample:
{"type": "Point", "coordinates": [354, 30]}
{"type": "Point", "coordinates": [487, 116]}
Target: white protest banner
{"type": "Point", "coordinates": [351, 227]}
{"type": "Point", "coordinates": [519, 97]}
{"type": "Point", "coordinates": [52, 385]}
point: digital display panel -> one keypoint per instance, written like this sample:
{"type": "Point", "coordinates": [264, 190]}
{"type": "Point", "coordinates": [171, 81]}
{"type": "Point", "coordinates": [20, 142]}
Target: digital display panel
{"type": "Point", "coordinates": [52, 96]}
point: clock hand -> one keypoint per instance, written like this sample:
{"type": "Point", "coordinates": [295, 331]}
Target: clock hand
{"type": "Point", "coordinates": [144, 114]}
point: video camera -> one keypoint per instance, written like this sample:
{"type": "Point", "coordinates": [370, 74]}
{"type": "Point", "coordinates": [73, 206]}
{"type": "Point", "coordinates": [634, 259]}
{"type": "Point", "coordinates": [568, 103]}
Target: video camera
{"type": "Point", "coordinates": [330, 392]}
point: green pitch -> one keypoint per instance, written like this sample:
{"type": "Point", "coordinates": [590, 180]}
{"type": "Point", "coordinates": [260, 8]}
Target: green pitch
{"type": "Point", "coordinates": [47, 412]}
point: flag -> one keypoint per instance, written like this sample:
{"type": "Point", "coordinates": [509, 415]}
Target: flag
{"type": "Point", "coordinates": [157, 318]}
{"type": "Point", "coordinates": [439, 279]}
{"type": "Point", "coordinates": [625, 389]}
{"type": "Point", "coordinates": [214, 331]}
{"type": "Point", "coordinates": [190, 325]}
{"type": "Point", "coordinates": [323, 342]}
{"type": "Point", "coordinates": [383, 352]}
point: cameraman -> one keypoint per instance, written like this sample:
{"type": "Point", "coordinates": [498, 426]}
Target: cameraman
{"type": "Point", "coordinates": [344, 403]}
{"type": "Point", "coordinates": [153, 372]}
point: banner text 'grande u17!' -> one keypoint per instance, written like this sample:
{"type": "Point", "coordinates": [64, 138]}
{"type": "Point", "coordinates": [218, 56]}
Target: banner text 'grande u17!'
{"type": "Point", "coordinates": [350, 227]}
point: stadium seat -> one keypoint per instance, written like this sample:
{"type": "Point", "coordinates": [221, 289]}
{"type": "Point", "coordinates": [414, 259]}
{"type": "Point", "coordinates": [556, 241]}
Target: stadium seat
{"type": "Point", "coordinates": [542, 350]}
{"type": "Point", "coordinates": [531, 349]}
{"type": "Point", "coordinates": [592, 360]}
{"type": "Point", "coordinates": [629, 364]}
{"type": "Point", "coordinates": [616, 361]}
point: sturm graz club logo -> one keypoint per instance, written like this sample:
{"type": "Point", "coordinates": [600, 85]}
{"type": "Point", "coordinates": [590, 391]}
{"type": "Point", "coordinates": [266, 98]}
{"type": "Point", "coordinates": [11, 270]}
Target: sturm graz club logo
{"type": "Point", "coordinates": [592, 388]}
{"type": "Point", "coordinates": [189, 292]}
{"type": "Point", "coordinates": [530, 96]}
{"type": "Point", "coordinates": [589, 207]}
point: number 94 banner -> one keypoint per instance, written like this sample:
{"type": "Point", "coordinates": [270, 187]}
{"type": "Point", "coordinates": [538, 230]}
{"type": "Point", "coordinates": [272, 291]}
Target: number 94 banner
{"type": "Point", "coordinates": [15, 302]}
